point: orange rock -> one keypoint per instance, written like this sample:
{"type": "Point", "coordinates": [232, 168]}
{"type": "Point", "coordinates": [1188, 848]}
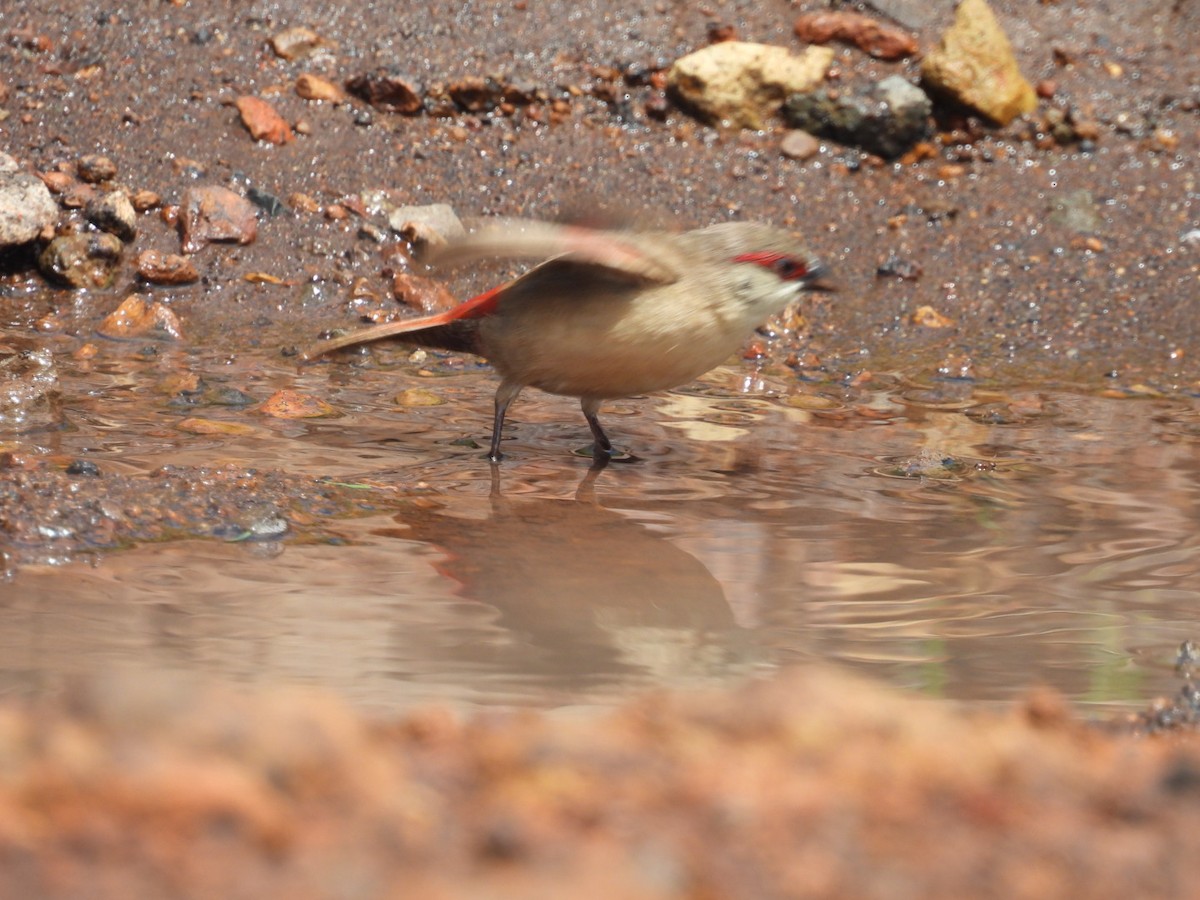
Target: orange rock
{"type": "Point", "coordinates": [263, 122]}
{"type": "Point", "coordinates": [288, 404]}
{"type": "Point", "coordinates": [867, 34]}
{"type": "Point", "coordinates": [214, 213]}
{"type": "Point", "coordinates": [314, 87]}
{"type": "Point", "coordinates": [138, 318]}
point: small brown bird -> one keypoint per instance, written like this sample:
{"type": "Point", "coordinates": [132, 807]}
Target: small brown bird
{"type": "Point", "coordinates": [610, 313]}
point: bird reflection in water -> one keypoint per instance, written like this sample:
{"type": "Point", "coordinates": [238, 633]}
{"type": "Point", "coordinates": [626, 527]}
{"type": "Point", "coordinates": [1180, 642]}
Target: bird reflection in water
{"type": "Point", "coordinates": [589, 594]}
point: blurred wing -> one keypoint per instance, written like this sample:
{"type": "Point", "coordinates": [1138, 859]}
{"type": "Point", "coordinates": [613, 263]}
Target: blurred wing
{"type": "Point", "coordinates": [523, 238]}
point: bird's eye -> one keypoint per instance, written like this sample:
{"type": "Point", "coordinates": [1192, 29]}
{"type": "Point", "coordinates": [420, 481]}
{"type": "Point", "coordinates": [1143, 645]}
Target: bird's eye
{"type": "Point", "coordinates": [789, 268]}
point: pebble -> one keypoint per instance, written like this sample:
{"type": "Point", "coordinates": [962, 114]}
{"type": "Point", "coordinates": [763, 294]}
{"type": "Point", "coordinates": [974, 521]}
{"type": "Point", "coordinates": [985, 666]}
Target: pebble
{"type": "Point", "coordinates": [114, 213]}
{"type": "Point", "coordinates": [94, 168]}
{"type": "Point", "coordinates": [743, 84]}
{"type": "Point", "coordinates": [314, 87]}
{"type": "Point", "coordinates": [388, 89]}
{"type": "Point", "coordinates": [82, 260]}
{"type": "Point", "coordinates": [157, 267]}
{"type": "Point", "coordinates": [797, 144]}
{"type": "Point", "coordinates": [296, 43]}
{"type": "Point", "coordinates": [868, 35]}
{"type": "Point", "coordinates": [974, 64]}
{"type": "Point", "coordinates": [26, 206]}
{"type": "Point", "coordinates": [138, 318]}
{"type": "Point", "coordinates": [886, 118]}
{"type": "Point", "coordinates": [263, 121]}
{"type": "Point", "coordinates": [214, 213]}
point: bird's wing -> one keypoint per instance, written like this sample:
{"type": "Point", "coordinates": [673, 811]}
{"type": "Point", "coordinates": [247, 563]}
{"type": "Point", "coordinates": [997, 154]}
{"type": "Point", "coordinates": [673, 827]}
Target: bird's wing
{"type": "Point", "coordinates": [614, 251]}
{"type": "Point", "coordinates": [580, 257]}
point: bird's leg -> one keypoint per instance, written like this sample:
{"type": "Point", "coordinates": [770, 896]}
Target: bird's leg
{"type": "Point", "coordinates": [505, 394]}
{"type": "Point", "coordinates": [602, 448]}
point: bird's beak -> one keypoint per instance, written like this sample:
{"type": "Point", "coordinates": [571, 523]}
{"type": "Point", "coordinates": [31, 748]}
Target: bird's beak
{"type": "Point", "coordinates": [818, 279]}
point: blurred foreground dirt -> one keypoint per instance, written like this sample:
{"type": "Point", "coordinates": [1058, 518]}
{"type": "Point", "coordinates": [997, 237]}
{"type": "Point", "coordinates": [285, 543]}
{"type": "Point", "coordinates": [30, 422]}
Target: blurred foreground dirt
{"type": "Point", "coordinates": [811, 784]}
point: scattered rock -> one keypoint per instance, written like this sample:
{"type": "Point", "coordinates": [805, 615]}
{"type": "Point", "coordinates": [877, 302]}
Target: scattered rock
{"type": "Point", "coordinates": [145, 200]}
{"type": "Point", "coordinates": [1076, 212]}
{"type": "Point", "coordinates": [112, 212]}
{"type": "Point", "coordinates": [797, 144]}
{"type": "Point", "coordinates": [867, 34]}
{"type": "Point", "coordinates": [974, 65]}
{"type": "Point", "coordinates": [288, 404]}
{"type": "Point", "coordinates": [138, 318]}
{"type": "Point", "coordinates": [26, 206]}
{"type": "Point", "coordinates": [165, 268]}
{"type": "Point", "coordinates": [82, 260]}
{"type": "Point", "coordinates": [94, 168]}
{"type": "Point", "coordinates": [296, 43]}
{"type": "Point", "coordinates": [214, 213]}
{"type": "Point", "coordinates": [928, 317]}
{"type": "Point", "coordinates": [424, 294]}
{"type": "Point", "coordinates": [476, 94]}
{"type": "Point", "coordinates": [265, 200]}
{"type": "Point", "coordinates": [898, 267]}
{"type": "Point", "coordinates": [417, 397]}
{"type": "Point", "coordinates": [743, 84]}
{"type": "Point", "coordinates": [388, 89]}
{"type": "Point", "coordinates": [314, 87]}
{"type": "Point", "coordinates": [434, 223]}
{"type": "Point", "coordinates": [262, 121]}
{"type": "Point", "coordinates": [887, 118]}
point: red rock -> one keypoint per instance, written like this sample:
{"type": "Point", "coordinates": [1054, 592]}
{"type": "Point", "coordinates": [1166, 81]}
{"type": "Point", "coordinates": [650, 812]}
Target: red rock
{"type": "Point", "coordinates": [214, 213]}
{"type": "Point", "coordinates": [867, 34]}
{"type": "Point", "coordinates": [263, 122]}
{"type": "Point", "coordinates": [137, 318]}
{"type": "Point", "coordinates": [165, 268]}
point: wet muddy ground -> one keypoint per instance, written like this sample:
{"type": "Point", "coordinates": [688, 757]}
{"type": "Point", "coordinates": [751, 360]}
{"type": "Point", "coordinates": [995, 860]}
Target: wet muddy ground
{"type": "Point", "coordinates": [965, 482]}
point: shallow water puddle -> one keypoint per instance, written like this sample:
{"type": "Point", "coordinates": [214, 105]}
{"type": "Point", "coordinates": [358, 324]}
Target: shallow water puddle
{"type": "Point", "coordinates": [963, 542]}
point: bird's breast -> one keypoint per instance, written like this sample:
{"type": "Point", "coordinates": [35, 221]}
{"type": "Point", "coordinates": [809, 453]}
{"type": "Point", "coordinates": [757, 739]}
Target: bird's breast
{"type": "Point", "coordinates": [614, 345]}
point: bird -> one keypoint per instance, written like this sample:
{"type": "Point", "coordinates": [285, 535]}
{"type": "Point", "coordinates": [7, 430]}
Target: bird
{"type": "Point", "coordinates": [608, 313]}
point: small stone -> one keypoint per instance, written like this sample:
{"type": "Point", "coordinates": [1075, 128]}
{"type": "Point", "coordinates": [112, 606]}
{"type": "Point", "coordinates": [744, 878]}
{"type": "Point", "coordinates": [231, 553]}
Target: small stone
{"type": "Point", "coordinates": [867, 34]}
{"type": "Point", "coordinates": [743, 84]}
{"type": "Point", "coordinates": [476, 94]}
{"type": "Point", "coordinates": [896, 266]}
{"type": "Point", "coordinates": [214, 213]}
{"type": "Point", "coordinates": [263, 122]}
{"type": "Point", "coordinates": [26, 206]}
{"type": "Point", "coordinates": [82, 260]}
{"type": "Point", "coordinates": [424, 294]}
{"type": "Point", "coordinates": [388, 89]}
{"type": "Point", "coordinates": [418, 397]}
{"type": "Point", "coordinates": [145, 200]}
{"type": "Point", "coordinates": [57, 182]}
{"type": "Point", "coordinates": [797, 144]}
{"type": "Point", "coordinates": [928, 317]}
{"type": "Point", "coordinates": [314, 87]}
{"type": "Point", "coordinates": [302, 202]}
{"type": "Point", "coordinates": [94, 168]}
{"type": "Point", "coordinates": [434, 223]}
{"type": "Point", "coordinates": [289, 404]}
{"type": "Point", "coordinates": [296, 43]}
{"type": "Point", "coordinates": [165, 268]}
{"type": "Point", "coordinates": [974, 65]}
{"type": "Point", "coordinates": [137, 318]}
{"type": "Point", "coordinates": [112, 212]}
{"type": "Point", "coordinates": [886, 118]}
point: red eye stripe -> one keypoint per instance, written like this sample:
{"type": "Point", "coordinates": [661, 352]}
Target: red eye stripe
{"type": "Point", "coordinates": [789, 268]}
